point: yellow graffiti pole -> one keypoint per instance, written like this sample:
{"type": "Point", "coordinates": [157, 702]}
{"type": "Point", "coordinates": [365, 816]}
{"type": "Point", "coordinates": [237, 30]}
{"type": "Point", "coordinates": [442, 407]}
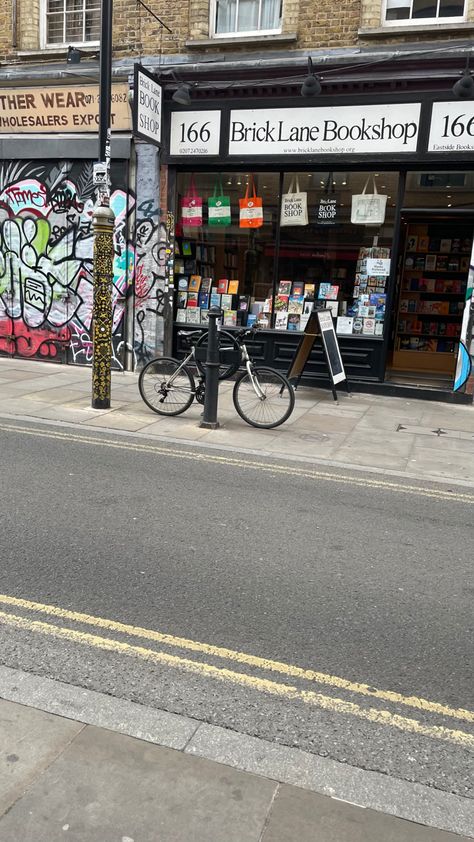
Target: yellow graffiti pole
{"type": "Point", "coordinates": [104, 219]}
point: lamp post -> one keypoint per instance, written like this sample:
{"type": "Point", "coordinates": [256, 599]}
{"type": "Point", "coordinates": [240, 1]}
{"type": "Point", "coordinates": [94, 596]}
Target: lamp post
{"type": "Point", "coordinates": [103, 225]}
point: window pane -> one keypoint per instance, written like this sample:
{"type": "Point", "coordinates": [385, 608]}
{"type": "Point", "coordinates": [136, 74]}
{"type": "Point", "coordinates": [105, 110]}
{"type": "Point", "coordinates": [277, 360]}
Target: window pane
{"type": "Point", "coordinates": [219, 251]}
{"type": "Point", "coordinates": [270, 14]}
{"type": "Point", "coordinates": [74, 27]}
{"type": "Point", "coordinates": [248, 16]}
{"type": "Point", "coordinates": [55, 6]}
{"type": "Point", "coordinates": [225, 19]}
{"type": "Point", "coordinates": [398, 9]}
{"type": "Point", "coordinates": [451, 8]}
{"type": "Point", "coordinates": [424, 9]}
{"type": "Point", "coordinates": [55, 33]}
{"type": "Point", "coordinates": [92, 29]}
{"type": "Point", "coordinates": [322, 262]}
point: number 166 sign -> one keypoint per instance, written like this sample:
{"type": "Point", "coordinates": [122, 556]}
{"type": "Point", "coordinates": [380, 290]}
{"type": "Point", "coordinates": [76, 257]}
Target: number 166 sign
{"type": "Point", "coordinates": [195, 133]}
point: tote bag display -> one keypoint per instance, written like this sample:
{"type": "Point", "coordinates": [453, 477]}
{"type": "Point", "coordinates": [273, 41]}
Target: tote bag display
{"type": "Point", "coordinates": [251, 209]}
{"type": "Point", "coordinates": [218, 207]}
{"type": "Point", "coordinates": [294, 207]}
{"type": "Point", "coordinates": [191, 207]}
{"type": "Point", "coordinates": [368, 208]}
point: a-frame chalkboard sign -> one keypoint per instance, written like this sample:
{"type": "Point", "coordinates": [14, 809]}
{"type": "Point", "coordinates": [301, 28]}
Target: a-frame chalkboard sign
{"type": "Point", "coordinates": [320, 324]}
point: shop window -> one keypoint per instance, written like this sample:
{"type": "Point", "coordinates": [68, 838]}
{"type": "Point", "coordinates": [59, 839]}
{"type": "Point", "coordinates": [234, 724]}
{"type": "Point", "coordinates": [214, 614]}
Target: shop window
{"type": "Point", "coordinates": [334, 232]}
{"type": "Point", "coordinates": [71, 21]}
{"type": "Point", "coordinates": [423, 11]}
{"type": "Point", "coordinates": [440, 190]}
{"type": "Point", "coordinates": [245, 17]}
{"type": "Point", "coordinates": [223, 256]}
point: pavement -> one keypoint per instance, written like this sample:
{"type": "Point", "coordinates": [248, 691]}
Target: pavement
{"type": "Point", "coordinates": [408, 438]}
{"type": "Point", "coordinates": [66, 779]}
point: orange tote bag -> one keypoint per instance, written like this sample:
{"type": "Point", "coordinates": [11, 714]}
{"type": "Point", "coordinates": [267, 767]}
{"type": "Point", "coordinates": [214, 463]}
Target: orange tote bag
{"type": "Point", "coordinates": [251, 209]}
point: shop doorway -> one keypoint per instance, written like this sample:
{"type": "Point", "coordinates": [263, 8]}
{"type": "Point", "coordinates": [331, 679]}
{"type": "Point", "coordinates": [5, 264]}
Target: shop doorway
{"type": "Point", "coordinates": [429, 299]}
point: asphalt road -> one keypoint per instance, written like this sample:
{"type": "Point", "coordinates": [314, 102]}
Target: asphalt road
{"type": "Point", "coordinates": [365, 582]}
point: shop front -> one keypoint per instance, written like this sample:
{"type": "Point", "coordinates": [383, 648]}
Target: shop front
{"type": "Point", "coordinates": [366, 209]}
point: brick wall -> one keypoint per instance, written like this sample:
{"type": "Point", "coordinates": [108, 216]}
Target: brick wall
{"type": "Point", "coordinates": [323, 24]}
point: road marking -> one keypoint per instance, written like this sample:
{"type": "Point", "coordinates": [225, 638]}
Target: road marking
{"type": "Point", "coordinates": [305, 473]}
{"type": "Point", "coordinates": [240, 657]}
{"type": "Point", "coordinates": [287, 691]}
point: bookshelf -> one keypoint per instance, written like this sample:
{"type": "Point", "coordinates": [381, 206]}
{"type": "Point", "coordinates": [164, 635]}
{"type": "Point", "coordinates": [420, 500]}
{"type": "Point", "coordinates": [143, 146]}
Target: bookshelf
{"type": "Point", "coordinates": [431, 299]}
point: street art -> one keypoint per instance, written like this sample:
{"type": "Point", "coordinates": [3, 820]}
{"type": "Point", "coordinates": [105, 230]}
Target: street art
{"type": "Point", "coordinates": [150, 274]}
{"type": "Point", "coordinates": [46, 248]}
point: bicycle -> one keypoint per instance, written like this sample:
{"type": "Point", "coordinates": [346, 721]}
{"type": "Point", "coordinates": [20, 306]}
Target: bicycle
{"type": "Point", "coordinates": [263, 397]}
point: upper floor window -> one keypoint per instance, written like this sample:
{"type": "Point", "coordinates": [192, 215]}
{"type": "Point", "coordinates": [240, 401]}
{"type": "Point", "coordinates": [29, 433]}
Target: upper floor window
{"type": "Point", "coordinates": [72, 21]}
{"type": "Point", "coordinates": [424, 11]}
{"type": "Point", "coordinates": [246, 17]}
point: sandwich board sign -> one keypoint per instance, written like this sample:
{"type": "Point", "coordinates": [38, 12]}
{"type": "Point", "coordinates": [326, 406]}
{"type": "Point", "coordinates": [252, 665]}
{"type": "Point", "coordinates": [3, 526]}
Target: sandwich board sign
{"type": "Point", "coordinates": [320, 324]}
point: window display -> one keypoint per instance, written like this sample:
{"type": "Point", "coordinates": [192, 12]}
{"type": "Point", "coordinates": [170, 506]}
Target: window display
{"type": "Point", "coordinates": [269, 247]}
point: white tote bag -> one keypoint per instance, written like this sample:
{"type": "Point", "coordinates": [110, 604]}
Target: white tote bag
{"type": "Point", "coordinates": [368, 208]}
{"type": "Point", "coordinates": [294, 207]}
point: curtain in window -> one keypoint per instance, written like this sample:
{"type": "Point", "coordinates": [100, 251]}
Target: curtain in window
{"type": "Point", "coordinates": [271, 13]}
{"type": "Point", "coordinates": [225, 19]}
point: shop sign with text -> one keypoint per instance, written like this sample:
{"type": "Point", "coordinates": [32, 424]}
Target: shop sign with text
{"type": "Point", "coordinates": [60, 109]}
{"type": "Point", "coordinates": [147, 106]}
{"type": "Point", "coordinates": [327, 211]}
{"type": "Point", "coordinates": [195, 133]}
{"type": "Point", "coordinates": [452, 127]}
{"type": "Point", "coordinates": [348, 130]}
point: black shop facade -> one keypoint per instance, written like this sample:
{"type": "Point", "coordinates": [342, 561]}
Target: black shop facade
{"type": "Point", "coordinates": [367, 209]}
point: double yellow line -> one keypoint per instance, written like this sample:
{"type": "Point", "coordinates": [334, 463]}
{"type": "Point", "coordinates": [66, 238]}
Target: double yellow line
{"type": "Point", "coordinates": [200, 667]}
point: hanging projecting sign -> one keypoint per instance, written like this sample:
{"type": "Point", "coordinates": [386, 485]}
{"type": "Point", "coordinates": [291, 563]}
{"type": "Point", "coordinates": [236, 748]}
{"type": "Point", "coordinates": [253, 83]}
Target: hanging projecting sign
{"type": "Point", "coordinates": [147, 106]}
{"type": "Point", "coordinates": [452, 127]}
{"type": "Point", "coordinates": [195, 133]}
{"type": "Point", "coordinates": [348, 130]}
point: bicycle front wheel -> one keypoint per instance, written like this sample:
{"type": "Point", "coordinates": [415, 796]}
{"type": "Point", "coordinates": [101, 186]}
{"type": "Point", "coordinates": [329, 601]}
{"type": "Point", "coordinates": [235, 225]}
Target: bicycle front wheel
{"type": "Point", "coordinates": [266, 404]}
{"type": "Point", "coordinates": [163, 389]}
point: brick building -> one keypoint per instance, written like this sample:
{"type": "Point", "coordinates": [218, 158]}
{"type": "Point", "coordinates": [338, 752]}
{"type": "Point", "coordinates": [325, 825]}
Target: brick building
{"type": "Point", "coordinates": [336, 103]}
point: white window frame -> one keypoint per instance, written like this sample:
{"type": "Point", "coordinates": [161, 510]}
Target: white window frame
{"type": "Point", "coordinates": [422, 21]}
{"type": "Point", "coordinates": [243, 34]}
{"type": "Point", "coordinates": [45, 45]}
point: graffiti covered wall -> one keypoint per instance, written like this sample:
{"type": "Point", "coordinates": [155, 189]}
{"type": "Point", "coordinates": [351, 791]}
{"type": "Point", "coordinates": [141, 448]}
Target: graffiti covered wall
{"type": "Point", "coordinates": [150, 258]}
{"type": "Point", "coordinates": [46, 248]}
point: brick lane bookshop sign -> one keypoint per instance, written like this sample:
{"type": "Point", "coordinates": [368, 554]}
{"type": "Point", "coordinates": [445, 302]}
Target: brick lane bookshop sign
{"type": "Point", "coordinates": [60, 109]}
{"type": "Point", "coordinates": [349, 130]}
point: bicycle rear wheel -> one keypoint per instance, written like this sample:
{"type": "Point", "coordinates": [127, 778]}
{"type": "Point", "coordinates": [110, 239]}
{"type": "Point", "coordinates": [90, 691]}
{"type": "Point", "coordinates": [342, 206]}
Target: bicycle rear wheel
{"type": "Point", "coordinates": [273, 407]}
{"type": "Point", "coordinates": [161, 395]}
{"type": "Point", "coordinates": [229, 346]}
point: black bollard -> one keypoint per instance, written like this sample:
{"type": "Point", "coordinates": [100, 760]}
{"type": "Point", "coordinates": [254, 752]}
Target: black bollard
{"type": "Point", "coordinates": [211, 395]}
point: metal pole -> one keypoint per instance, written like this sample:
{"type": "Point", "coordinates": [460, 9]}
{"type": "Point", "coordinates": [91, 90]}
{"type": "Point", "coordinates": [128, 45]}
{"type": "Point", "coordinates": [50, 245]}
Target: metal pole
{"type": "Point", "coordinates": [211, 395]}
{"type": "Point", "coordinates": [102, 307]}
{"type": "Point", "coordinates": [103, 229]}
{"type": "Point", "coordinates": [105, 82]}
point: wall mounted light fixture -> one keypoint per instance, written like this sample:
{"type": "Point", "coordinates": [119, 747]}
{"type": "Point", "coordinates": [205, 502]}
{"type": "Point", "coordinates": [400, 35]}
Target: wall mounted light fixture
{"type": "Point", "coordinates": [311, 84]}
{"type": "Point", "coordinates": [464, 87]}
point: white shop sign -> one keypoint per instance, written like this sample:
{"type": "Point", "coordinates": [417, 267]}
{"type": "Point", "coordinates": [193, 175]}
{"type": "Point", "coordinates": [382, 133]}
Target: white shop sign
{"type": "Point", "coordinates": [452, 127]}
{"type": "Point", "coordinates": [147, 104]}
{"type": "Point", "coordinates": [378, 266]}
{"type": "Point", "coordinates": [374, 129]}
{"type": "Point", "coordinates": [195, 133]}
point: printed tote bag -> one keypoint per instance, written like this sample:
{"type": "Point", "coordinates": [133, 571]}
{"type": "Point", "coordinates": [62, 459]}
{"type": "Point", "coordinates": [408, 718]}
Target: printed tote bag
{"type": "Point", "coordinates": [191, 207]}
{"type": "Point", "coordinates": [294, 206]}
{"type": "Point", "coordinates": [251, 209]}
{"type": "Point", "coordinates": [218, 206]}
{"type": "Point", "coordinates": [368, 208]}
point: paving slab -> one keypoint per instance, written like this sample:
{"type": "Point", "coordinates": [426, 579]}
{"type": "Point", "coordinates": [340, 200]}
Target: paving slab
{"type": "Point", "coordinates": [30, 741]}
{"type": "Point", "coordinates": [109, 788]}
{"type": "Point", "coordinates": [307, 817]}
